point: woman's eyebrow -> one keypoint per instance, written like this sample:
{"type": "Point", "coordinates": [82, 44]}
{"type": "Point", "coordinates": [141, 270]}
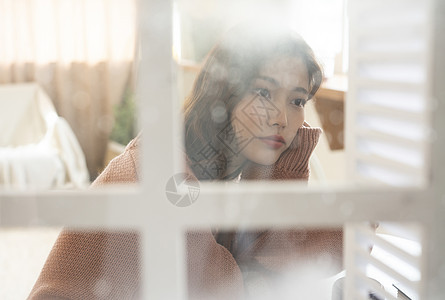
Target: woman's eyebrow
{"type": "Point", "coordinates": [275, 82]}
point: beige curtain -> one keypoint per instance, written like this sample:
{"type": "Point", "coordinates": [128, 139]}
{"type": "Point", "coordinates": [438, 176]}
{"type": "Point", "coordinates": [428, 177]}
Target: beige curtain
{"type": "Point", "coordinates": [80, 51]}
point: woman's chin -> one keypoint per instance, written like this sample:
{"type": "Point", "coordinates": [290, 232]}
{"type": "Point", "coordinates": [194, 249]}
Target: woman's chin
{"type": "Point", "coordinates": [259, 153]}
{"type": "Point", "coordinates": [265, 160]}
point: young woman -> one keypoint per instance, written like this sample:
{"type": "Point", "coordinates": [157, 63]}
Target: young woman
{"type": "Point", "coordinates": [244, 120]}
{"type": "Point", "coordinates": [247, 103]}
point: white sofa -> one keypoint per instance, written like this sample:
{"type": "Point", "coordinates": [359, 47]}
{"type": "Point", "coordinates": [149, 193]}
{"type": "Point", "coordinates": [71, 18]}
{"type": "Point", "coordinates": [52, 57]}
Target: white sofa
{"type": "Point", "coordinates": [38, 149]}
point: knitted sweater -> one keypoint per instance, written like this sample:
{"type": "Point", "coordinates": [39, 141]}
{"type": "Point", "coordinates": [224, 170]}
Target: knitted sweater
{"type": "Point", "coordinates": [105, 264]}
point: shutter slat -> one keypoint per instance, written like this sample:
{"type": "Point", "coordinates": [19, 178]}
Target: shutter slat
{"type": "Point", "coordinates": [403, 104]}
{"type": "Point", "coordinates": [375, 287]}
{"type": "Point", "coordinates": [407, 231]}
{"type": "Point", "coordinates": [411, 31]}
{"type": "Point", "coordinates": [392, 40]}
{"type": "Point", "coordinates": [393, 111]}
{"type": "Point", "coordinates": [380, 84]}
{"type": "Point", "coordinates": [392, 126]}
{"type": "Point", "coordinates": [389, 154]}
{"type": "Point", "coordinates": [390, 56]}
{"type": "Point", "coordinates": [367, 258]}
{"type": "Point", "coordinates": [387, 176]}
{"type": "Point", "coordinates": [409, 72]}
{"type": "Point", "coordinates": [385, 137]}
{"type": "Point", "coordinates": [384, 162]}
{"type": "Point", "coordinates": [412, 260]}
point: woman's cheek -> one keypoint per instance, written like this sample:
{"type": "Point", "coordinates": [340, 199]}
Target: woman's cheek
{"type": "Point", "coordinates": [296, 121]}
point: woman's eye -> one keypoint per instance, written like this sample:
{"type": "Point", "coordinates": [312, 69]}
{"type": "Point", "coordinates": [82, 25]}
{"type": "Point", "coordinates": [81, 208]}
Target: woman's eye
{"type": "Point", "coordinates": [263, 93]}
{"type": "Point", "coordinates": [299, 102]}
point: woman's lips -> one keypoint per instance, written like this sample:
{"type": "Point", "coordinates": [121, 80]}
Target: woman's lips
{"type": "Point", "coordinates": [273, 141]}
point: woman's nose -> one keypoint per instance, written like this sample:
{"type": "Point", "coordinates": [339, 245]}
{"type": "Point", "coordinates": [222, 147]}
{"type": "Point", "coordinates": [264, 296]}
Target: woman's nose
{"type": "Point", "coordinates": [278, 117]}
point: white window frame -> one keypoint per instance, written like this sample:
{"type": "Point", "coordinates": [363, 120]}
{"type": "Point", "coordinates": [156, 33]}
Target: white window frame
{"type": "Point", "coordinates": [147, 208]}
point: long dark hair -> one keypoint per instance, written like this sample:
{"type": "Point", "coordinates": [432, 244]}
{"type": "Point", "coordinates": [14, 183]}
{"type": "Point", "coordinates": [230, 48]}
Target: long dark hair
{"type": "Point", "coordinates": [223, 80]}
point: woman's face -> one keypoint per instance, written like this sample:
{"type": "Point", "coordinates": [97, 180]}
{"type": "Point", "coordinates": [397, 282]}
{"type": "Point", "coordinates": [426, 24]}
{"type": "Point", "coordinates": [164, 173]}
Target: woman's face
{"type": "Point", "coordinates": [267, 118]}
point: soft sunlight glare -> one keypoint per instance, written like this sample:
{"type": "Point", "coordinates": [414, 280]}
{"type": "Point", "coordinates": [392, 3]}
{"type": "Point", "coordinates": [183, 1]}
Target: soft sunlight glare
{"type": "Point", "coordinates": [320, 22]}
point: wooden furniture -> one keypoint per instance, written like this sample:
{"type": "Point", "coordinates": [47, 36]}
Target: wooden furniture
{"type": "Point", "coordinates": [329, 104]}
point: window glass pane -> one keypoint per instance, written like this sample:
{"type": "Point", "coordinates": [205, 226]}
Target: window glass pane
{"type": "Point", "coordinates": [198, 26]}
{"type": "Point", "coordinates": [305, 261]}
{"type": "Point", "coordinates": [67, 94]}
{"type": "Point", "coordinates": [72, 263]}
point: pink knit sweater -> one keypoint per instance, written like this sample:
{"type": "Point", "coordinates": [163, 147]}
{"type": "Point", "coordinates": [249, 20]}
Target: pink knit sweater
{"type": "Point", "coordinates": [105, 264]}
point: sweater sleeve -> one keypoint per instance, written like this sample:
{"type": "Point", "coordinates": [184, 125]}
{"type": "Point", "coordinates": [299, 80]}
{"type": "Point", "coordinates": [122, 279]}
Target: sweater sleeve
{"type": "Point", "coordinates": [105, 263]}
{"type": "Point", "coordinates": [123, 169]}
{"type": "Point", "coordinates": [293, 163]}
{"type": "Point", "coordinates": [95, 264]}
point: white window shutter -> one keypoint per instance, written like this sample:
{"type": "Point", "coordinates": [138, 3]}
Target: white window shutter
{"type": "Point", "coordinates": [388, 117]}
{"type": "Point", "coordinates": [388, 134]}
{"type": "Point", "coordinates": [392, 270]}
